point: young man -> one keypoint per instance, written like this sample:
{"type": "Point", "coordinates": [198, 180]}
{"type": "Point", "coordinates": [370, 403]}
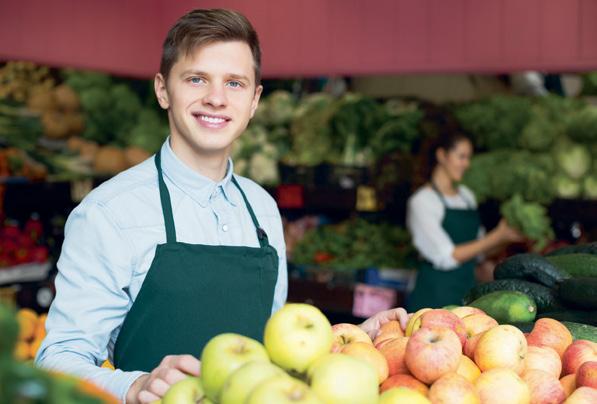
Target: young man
{"type": "Point", "coordinates": [171, 252]}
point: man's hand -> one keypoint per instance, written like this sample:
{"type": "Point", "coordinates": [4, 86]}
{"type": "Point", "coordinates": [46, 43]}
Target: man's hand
{"type": "Point", "coordinates": [372, 324]}
{"type": "Point", "coordinates": [152, 387]}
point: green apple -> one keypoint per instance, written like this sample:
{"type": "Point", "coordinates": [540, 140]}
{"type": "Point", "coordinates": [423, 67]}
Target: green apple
{"type": "Point", "coordinates": [239, 384]}
{"type": "Point", "coordinates": [398, 395]}
{"type": "Point", "coordinates": [339, 378]}
{"type": "Point", "coordinates": [222, 355]}
{"type": "Point", "coordinates": [186, 391]}
{"type": "Point", "coordinates": [296, 335]}
{"type": "Point", "coordinates": [282, 389]}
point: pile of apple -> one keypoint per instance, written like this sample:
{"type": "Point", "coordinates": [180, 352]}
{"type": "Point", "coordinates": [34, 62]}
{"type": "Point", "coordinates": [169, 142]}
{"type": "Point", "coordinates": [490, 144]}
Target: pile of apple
{"type": "Point", "coordinates": [460, 355]}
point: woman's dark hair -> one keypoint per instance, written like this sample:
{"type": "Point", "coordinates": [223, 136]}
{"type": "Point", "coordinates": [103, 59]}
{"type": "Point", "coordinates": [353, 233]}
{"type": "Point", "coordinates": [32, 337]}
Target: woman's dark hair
{"type": "Point", "coordinates": [446, 140]}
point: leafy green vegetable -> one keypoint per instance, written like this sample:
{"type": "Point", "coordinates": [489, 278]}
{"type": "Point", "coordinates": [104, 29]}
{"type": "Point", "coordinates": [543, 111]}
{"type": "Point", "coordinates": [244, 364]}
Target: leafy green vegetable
{"type": "Point", "coordinates": [149, 133]}
{"type": "Point", "coordinates": [566, 187]}
{"type": "Point", "coordinates": [19, 127]}
{"type": "Point", "coordinates": [529, 218]}
{"type": "Point", "coordinates": [572, 158]}
{"type": "Point", "coordinates": [582, 125]}
{"type": "Point", "coordinates": [540, 133]}
{"type": "Point", "coordinates": [396, 134]}
{"type": "Point", "coordinates": [495, 123]}
{"type": "Point", "coordinates": [590, 185]}
{"type": "Point", "coordinates": [355, 244]}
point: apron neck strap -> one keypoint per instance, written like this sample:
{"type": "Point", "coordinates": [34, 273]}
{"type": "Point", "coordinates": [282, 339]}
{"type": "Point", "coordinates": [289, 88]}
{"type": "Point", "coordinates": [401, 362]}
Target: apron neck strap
{"type": "Point", "coordinates": [261, 235]}
{"type": "Point", "coordinates": [468, 203]}
{"type": "Point", "coordinates": [441, 196]}
{"type": "Point", "coordinates": [166, 205]}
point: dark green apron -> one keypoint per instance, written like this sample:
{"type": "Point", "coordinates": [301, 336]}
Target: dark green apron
{"type": "Point", "coordinates": [193, 292]}
{"type": "Point", "coordinates": [435, 288]}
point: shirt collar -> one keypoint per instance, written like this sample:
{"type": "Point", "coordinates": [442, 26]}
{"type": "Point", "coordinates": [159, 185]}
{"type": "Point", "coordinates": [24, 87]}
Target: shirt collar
{"type": "Point", "coordinates": [199, 187]}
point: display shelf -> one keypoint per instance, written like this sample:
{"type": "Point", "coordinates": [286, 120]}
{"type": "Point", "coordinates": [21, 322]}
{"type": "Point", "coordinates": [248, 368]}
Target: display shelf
{"type": "Point", "coordinates": [25, 273]}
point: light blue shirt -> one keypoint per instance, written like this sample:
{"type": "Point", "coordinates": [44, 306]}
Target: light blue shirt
{"type": "Point", "coordinates": [110, 241]}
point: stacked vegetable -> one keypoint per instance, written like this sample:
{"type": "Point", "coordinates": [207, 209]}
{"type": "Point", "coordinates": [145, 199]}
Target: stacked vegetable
{"type": "Point", "coordinates": [561, 285]}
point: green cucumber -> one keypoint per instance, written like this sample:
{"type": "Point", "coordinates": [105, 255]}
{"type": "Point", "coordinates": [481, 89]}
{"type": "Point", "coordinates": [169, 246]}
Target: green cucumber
{"type": "Point", "coordinates": [507, 307]}
{"type": "Point", "coordinates": [576, 316]}
{"type": "Point", "coordinates": [530, 267]}
{"type": "Point", "coordinates": [545, 298]}
{"type": "Point", "coordinates": [579, 293]}
{"type": "Point", "coordinates": [590, 248]}
{"type": "Point", "coordinates": [581, 331]}
{"type": "Point", "coordinates": [578, 264]}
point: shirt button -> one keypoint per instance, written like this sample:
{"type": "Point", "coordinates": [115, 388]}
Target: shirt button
{"type": "Point", "coordinates": [225, 227]}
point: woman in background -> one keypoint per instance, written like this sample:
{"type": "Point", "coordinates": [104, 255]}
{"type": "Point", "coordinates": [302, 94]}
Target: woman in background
{"type": "Point", "coordinates": [444, 223]}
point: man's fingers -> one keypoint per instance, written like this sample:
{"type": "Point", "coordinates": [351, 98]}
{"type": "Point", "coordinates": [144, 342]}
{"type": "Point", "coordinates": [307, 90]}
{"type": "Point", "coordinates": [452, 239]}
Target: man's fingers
{"type": "Point", "coordinates": [172, 376]}
{"type": "Point", "coordinates": [187, 364]}
{"type": "Point", "coordinates": [146, 397]}
{"type": "Point", "coordinates": [158, 387]}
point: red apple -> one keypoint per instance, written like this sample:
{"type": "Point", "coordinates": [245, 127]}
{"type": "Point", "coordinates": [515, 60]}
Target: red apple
{"type": "Point", "coordinates": [345, 333]}
{"type": "Point", "coordinates": [471, 344]}
{"type": "Point", "coordinates": [464, 311]}
{"type": "Point", "coordinates": [444, 318]}
{"type": "Point", "coordinates": [586, 375]}
{"type": "Point", "coordinates": [544, 387]}
{"type": "Point", "coordinates": [389, 330]}
{"type": "Point", "coordinates": [568, 382]}
{"type": "Point", "coordinates": [367, 353]}
{"type": "Point", "coordinates": [468, 369]}
{"type": "Point", "coordinates": [543, 358]}
{"type": "Point", "coordinates": [432, 352]}
{"type": "Point", "coordinates": [583, 395]}
{"type": "Point", "coordinates": [414, 322]}
{"type": "Point", "coordinates": [502, 385]}
{"type": "Point", "coordinates": [452, 388]}
{"type": "Point", "coordinates": [576, 354]}
{"type": "Point", "coordinates": [404, 381]}
{"type": "Point", "coordinates": [402, 395]}
{"type": "Point", "coordinates": [551, 333]}
{"type": "Point", "coordinates": [394, 351]}
{"type": "Point", "coordinates": [478, 323]}
{"type": "Point", "coordinates": [503, 346]}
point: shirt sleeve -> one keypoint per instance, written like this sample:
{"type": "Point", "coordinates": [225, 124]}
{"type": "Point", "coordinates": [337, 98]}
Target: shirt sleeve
{"type": "Point", "coordinates": [94, 272]}
{"type": "Point", "coordinates": [425, 213]}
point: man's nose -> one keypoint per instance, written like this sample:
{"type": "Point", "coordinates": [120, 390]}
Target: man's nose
{"type": "Point", "coordinates": [216, 96]}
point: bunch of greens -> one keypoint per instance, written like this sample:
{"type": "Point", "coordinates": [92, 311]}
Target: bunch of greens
{"type": "Point", "coordinates": [355, 119]}
{"type": "Point", "coordinates": [398, 133]}
{"type": "Point", "coordinates": [355, 244]}
{"type": "Point", "coordinates": [310, 131]}
{"type": "Point", "coordinates": [530, 219]}
{"type": "Point", "coordinates": [19, 127]}
{"type": "Point", "coordinates": [582, 125]}
{"type": "Point", "coordinates": [495, 123]}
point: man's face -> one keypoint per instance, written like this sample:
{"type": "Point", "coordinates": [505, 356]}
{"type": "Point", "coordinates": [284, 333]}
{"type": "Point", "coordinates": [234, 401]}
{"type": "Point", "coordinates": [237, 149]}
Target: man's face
{"type": "Point", "coordinates": [210, 96]}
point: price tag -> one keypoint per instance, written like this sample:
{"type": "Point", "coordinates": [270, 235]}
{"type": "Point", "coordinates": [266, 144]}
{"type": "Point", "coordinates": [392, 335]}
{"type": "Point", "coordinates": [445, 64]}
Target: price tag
{"type": "Point", "coordinates": [290, 196]}
{"type": "Point", "coordinates": [370, 300]}
{"type": "Point", "coordinates": [366, 199]}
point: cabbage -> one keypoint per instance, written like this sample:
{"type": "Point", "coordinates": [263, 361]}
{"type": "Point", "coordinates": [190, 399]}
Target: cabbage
{"type": "Point", "coordinates": [573, 159]}
{"type": "Point", "coordinates": [566, 187]}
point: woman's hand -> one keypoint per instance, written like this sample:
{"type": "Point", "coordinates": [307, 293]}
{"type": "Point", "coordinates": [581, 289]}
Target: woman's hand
{"type": "Point", "coordinates": [151, 387]}
{"type": "Point", "coordinates": [509, 234]}
{"type": "Point", "coordinates": [372, 324]}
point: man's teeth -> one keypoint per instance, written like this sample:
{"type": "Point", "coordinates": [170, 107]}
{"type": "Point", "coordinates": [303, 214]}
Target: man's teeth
{"type": "Point", "coordinates": [211, 119]}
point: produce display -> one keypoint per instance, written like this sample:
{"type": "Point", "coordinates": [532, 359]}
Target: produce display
{"type": "Point", "coordinates": [455, 355]}
{"type": "Point", "coordinates": [32, 330]}
{"type": "Point", "coordinates": [355, 244]}
{"type": "Point", "coordinates": [23, 383]}
{"type": "Point", "coordinates": [22, 245]}
{"type": "Point", "coordinates": [561, 285]}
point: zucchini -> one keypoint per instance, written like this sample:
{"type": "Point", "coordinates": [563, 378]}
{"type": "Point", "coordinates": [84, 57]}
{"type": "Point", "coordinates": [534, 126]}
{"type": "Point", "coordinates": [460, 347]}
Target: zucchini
{"type": "Point", "coordinates": [578, 264]}
{"type": "Point", "coordinates": [581, 331]}
{"type": "Point", "coordinates": [579, 293]}
{"type": "Point", "coordinates": [530, 267]}
{"type": "Point", "coordinates": [507, 307]}
{"type": "Point", "coordinates": [576, 316]}
{"type": "Point", "coordinates": [590, 248]}
{"type": "Point", "coordinates": [545, 298]}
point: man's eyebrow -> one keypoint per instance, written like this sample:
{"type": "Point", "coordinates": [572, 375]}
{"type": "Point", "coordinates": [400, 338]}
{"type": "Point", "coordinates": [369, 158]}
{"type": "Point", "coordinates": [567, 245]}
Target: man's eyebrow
{"type": "Point", "coordinates": [238, 77]}
{"type": "Point", "coordinates": [193, 71]}
{"type": "Point", "coordinates": [202, 73]}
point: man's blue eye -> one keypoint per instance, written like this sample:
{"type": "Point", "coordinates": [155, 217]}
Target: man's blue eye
{"type": "Point", "coordinates": [234, 84]}
{"type": "Point", "coordinates": [196, 80]}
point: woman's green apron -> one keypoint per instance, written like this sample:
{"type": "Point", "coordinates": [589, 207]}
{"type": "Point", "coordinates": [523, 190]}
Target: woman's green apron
{"type": "Point", "coordinates": [193, 292]}
{"type": "Point", "coordinates": [436, 288]}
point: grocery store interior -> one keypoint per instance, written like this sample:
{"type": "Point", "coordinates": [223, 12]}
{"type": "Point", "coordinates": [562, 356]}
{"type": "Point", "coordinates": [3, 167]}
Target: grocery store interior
{"type": "Point", "coordinates": [354, 95]}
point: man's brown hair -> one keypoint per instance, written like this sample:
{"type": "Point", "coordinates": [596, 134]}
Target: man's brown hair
{"type": "Point", "coordinates": [203, 27]}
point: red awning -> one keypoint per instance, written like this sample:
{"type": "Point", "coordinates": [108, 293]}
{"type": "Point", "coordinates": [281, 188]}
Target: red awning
{"type": "Point", "coordinates": [316, 37]}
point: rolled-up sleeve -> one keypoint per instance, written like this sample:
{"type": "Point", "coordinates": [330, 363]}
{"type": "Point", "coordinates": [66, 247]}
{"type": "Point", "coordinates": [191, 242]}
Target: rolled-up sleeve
{"type": "Point", "coordinates": [425, 213]}
{"type": "Point", "coordinates": [94, 272]}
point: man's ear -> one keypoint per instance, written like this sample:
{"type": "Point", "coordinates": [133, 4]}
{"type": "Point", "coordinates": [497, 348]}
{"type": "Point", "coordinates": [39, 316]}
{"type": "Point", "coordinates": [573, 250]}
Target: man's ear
{"type": "Point", "coordinates": [161, 92]}
{"type": "Point", "coordinates": [255, 101]}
